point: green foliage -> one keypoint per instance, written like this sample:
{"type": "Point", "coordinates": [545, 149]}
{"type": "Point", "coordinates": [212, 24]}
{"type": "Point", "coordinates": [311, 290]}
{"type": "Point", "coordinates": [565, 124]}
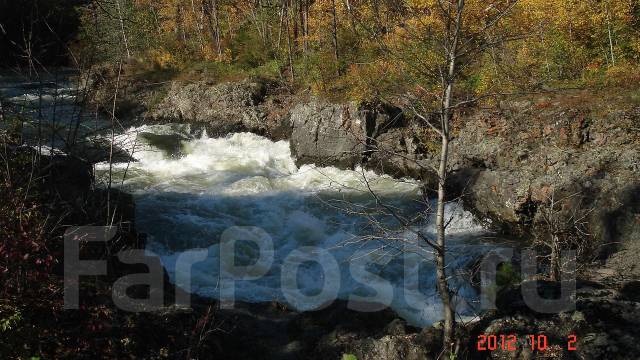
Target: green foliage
{"type": "Point", "coordinates": [248, 49]}
{"type": "Point", "coordinates": [349, 357]}
{"type": "Point", "coordinates": [10, 317]}
{"type": "Point", "coordinates": [269, 70]}
{"type": "Point", "coordinates": [507, 275]}
{"type": "Point", "coordinates": [212, 70]}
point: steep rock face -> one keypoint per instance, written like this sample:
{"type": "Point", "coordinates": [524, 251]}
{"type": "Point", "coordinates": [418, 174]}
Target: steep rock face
{"type": "Point", "coordinates": [510, 162]}
{"type": "Point", "coordinates": [328, 134]}
{"type": "Point", "coordinates": [397, 153]}
{"type": "Point", "coordinates": [338, 134]}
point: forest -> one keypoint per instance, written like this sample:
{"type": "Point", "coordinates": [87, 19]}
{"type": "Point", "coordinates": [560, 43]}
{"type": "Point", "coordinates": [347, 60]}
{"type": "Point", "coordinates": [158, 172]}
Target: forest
{"type": "Point", "coordinates": [369, 49]}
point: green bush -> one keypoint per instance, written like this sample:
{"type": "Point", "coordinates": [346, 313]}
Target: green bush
{"type": "Point", "coordinates": [507, 275]}
{"type": "Point", "coordinates": [10, 317]}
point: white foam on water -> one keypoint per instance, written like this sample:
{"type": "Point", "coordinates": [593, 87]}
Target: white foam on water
{"type": "Point", "coordinates": [186, 202]}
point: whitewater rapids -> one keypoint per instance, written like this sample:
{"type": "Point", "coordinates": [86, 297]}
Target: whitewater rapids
{"type": "Point", "coordinates": [189, 190]}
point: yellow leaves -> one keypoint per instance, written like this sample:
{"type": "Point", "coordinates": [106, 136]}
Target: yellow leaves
{"type": "Point", "coordinates": [209, 54]}
{"type": "Point", "coordinates": [369, 81]}
{"type": "Point", "coordinates": [622, 75]}
{"type": "Point", "coordinates": [385, 42]}
{"type": "Point", "coordinates": [226, 56]}
{"type": "Point", "coordinates": [162, 58]}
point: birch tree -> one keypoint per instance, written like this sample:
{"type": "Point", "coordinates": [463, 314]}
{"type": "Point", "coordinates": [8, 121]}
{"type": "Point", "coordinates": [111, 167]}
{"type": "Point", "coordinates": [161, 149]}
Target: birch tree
{"type": "Point", "coordinates": [439, 47]}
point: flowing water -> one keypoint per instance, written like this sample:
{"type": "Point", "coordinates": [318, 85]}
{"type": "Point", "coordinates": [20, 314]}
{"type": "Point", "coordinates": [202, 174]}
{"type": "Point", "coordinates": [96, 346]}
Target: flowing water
{"type": "Point", "coordinates": [50, 109]}
{"type": "Point", "coordinates": [192, 191]}
{"type": "Point", "coordinates": [189, 191]}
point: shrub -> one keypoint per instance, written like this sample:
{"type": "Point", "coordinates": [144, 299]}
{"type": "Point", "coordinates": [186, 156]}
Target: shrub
{"type": "Point", "coordinates": [10, 317]}
{"type": "Point", "coordinates": [623, 75]}
{"type": "Point", "coordinates": [25, 256]}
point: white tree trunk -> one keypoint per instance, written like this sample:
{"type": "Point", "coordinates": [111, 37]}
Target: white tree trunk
{"type": "Point", "coordinates": [446, 115]}
{"type": "Point", "coordinates": [613, 58]}
{"type": "Point", "coordinates": [124, 34]}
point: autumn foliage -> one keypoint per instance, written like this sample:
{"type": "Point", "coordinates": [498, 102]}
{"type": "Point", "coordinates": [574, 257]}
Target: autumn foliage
{"type": "Point", "coordinates": [369, 48]}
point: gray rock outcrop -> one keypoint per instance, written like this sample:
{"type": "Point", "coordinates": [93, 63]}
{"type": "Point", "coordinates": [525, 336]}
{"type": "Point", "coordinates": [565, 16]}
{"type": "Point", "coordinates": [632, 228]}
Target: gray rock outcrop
{"type": "Point", "coordinates": [328, 134]}
{"type": "Point", "coordinates": [339, 135]}
{"type": "Point", "coordinates": [220, 109]}
{"type": "Point", "coordinates": [510, 163]}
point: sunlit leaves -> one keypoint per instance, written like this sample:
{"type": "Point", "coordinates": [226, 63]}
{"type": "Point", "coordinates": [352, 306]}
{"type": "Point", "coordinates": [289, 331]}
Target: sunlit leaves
{"type": "Point", "coordinates": [540, 40]}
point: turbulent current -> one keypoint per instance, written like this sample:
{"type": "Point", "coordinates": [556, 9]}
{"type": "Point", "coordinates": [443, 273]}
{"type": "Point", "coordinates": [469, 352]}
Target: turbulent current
{"type": "Point", "coordinates": [324, 239]}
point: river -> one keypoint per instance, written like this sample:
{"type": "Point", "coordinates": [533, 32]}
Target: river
{"type": "Point", "coordinates": [191, 190]}
{"type": "Point", "coordinates": [188, 195]}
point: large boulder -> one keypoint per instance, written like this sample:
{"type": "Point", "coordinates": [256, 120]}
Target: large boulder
{"type": "Point", "coordinates": [328, 134]}
{"type": "Point", "coordinates": [340, 135]}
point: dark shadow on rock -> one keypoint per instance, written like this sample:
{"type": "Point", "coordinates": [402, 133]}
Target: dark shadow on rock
{"type": "Point", "coordinates": [622, 222]}
{"type": "Point", "coordinates": [631, 291]}
{"type": "Point", "coordinates": [100, 150]}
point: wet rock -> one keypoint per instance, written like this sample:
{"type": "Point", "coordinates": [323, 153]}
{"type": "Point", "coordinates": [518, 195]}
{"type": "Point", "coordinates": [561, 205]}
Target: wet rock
{"type": "Point", "coordinates": [100, 150]}
{"type": "Point", "coordinates": [170, 144]}
{"type": "Point", "coordinates": [499, 195]}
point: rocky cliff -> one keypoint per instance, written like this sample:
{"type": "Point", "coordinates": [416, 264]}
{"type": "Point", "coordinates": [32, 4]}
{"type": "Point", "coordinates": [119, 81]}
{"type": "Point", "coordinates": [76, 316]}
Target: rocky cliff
{"type": "Point", "coordinates": [223, 108]}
